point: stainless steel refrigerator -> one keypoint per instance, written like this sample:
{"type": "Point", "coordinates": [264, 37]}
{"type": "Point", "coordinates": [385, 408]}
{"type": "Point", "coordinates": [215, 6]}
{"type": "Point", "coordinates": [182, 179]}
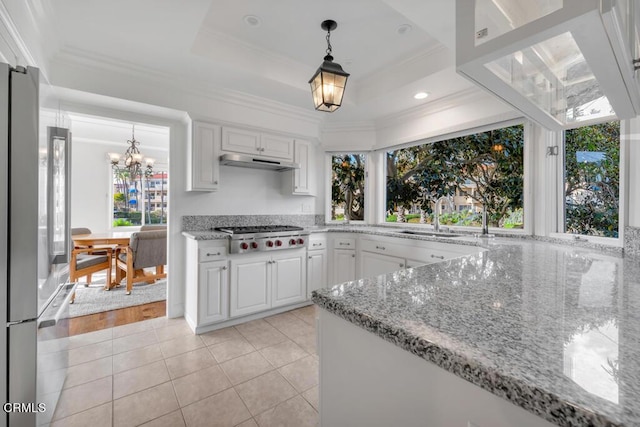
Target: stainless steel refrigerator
{"type": "Point", "coordinates": [34, 252]}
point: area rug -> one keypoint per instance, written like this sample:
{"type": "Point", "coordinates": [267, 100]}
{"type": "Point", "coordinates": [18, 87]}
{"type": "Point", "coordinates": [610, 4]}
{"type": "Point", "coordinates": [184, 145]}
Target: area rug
{"type": "Point", "coordinates": [94, 299]}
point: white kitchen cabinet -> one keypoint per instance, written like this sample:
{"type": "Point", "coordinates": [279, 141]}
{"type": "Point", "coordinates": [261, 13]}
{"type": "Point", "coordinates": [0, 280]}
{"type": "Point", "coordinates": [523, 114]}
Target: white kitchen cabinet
{"type": "Point", "coordinates": [204, 157]}
{"type": "Point", "coordinates": [250, 285]}
{"type": "Point", "coordinates": [277, 146]}
{"type": "Point", "coordinates": [212, 296]}
{"type": "Point", "coordinates": [207, 285]}
{"type": "Point", "coordinates": [372, 264]}
{"type": "Point", "coordinates": [288, 278]}
{"type": "Point", "coordinates": [343, 259]}
{"type": "Point", "coordinates": [246, 141]}
{"type": "Point", "coordinates": [240, 140]}
{"type": "Point", "coordinates": [344, 265]}
{"type": "Point", "coordinates": [316, 264]}
{"type": "Point", "coordinates": [301, 177]}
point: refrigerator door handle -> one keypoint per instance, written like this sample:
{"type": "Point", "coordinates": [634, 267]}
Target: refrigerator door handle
{"type": "Point", "coordinates": [59, 188]}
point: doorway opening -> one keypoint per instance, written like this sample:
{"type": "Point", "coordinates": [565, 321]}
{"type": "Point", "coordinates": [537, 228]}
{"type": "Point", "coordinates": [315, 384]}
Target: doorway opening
{"type": "Point", "coordinates": [110, 201]}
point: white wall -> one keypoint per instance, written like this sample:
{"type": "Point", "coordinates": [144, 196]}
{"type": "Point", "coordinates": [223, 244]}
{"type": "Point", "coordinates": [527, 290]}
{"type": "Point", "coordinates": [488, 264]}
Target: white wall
{"type": "Point", "coordinates": [91, 179]}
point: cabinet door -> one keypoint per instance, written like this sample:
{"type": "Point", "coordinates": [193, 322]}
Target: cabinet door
{"type": "Point", "coordinates": [212, 295]}
{"type": "Point", "coordinates": [344, 265]}
{"type": "Point", "coordinates": [316, 271]}
{"type": "Point", "coordinates": [301, 176]}
{"type": "Point", "coordinates": [372, 264]}
{"type": "Point", "coordinates": [276, 146]}
{"type": "Point", "coordinates": [204, 162]}
{"type": "Point", "coordinates": [288, 279]}
{"type": "Point", "coordinates": [250, 287]}
{"type": "Point", "coordinates": [240, 141]}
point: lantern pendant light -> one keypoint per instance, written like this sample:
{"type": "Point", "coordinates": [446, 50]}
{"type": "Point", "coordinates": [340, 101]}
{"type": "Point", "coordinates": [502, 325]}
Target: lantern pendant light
{"type": "Point", "coordinates": [328, 83]}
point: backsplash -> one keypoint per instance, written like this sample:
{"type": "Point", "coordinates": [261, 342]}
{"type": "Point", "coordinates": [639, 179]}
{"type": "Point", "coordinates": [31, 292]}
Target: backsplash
{"type": "Point", "coordinates": [632, 241]}
{"type": "Point", "coordinates": [209, 222]}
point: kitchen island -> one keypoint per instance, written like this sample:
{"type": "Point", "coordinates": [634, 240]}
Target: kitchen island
{"type": "Point", "coordinates": [553, 329]}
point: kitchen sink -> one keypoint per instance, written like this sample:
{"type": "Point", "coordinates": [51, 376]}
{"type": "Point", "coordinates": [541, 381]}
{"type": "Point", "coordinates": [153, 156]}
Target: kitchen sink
{"type": "Point", "coordinates": [430, 233]}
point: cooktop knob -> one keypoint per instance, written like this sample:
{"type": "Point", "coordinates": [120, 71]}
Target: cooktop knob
{"type": "Point", "coordinates": [278, 243]}
{"type": "Point", "coordinates": [269, 243]}
{"type": "Point", "coordinates": [301, 241]}
{"type": "Point", "coordinates": [243, 245]}
{"type": "Point", "coordinates": [292, 241]}
{"type": "Point", "coordinates": [254, 245]}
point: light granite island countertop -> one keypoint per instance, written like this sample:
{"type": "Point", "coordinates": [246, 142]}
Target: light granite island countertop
{"type": "Point", "coordinates": [553, 329]}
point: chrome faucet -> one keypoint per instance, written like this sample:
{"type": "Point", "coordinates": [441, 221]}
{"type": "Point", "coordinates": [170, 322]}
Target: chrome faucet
{"type": "Point", "coordinates": [436, 214]}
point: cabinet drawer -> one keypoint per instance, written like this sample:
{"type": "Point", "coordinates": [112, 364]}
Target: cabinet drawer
{"type": "Point", "coordinates": [344, 243]}
{"type": "Point", "coordinates": [317, 244]}
{"type": "Point", "coordinates": [384, 247]}
{"type": "Point", "coordinates": [211, 253]}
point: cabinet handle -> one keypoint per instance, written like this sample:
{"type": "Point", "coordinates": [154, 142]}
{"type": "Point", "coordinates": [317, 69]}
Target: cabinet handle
{"type": "Point", "coordinates": [380, 247]}
{"type": "Point", "coordinates": [317, 244]}
{"type": "Point", "coordinates": [215, 182]}
{"type": "Point", "coordinates": [401, 265]}
{"type": "Point", "coordinates": [345, 244]}
{"type": "Point", "coordinates": [437, 256]}
{"type": "Point", "coordinates": [353, 256]}
{"type": "Point", "coordinates": [210, 254]}
{"type": "Point", "coordinates": [224, 267]}
{"type": "Point", "coordinates": [309, 257]}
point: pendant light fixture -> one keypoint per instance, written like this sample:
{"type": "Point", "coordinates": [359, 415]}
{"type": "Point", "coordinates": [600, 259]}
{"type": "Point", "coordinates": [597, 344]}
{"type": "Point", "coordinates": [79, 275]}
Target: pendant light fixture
{"type": "Point", "coordinates": [328, 83]}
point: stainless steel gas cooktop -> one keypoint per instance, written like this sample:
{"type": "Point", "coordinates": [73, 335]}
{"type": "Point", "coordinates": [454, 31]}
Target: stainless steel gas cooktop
{"type": "Point", "coordinates": [259, 238]}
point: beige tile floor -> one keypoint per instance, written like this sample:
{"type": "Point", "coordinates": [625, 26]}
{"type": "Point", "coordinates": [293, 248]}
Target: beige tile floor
{"type": "Point", "coordinates": [158, 373]}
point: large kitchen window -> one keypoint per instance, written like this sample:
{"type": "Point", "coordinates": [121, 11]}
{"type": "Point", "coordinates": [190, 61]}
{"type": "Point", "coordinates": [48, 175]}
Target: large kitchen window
{"type": "Point", "coordinates": [348, 172]}
{"type": "Point", "coordinates": [460, 177]}
{"type": "Point", "coordinates": [140, 201]}
{"type": "Point", "coordinates": [592, 180]}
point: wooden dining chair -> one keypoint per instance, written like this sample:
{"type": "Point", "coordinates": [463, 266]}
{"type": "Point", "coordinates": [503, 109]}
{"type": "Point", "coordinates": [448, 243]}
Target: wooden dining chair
{"type": "Point", "coordinates": [101, 251]}
{"type": "Point", "coordinates": [146, 249]}
{"type": "Point", "coordinates": [84, 262]}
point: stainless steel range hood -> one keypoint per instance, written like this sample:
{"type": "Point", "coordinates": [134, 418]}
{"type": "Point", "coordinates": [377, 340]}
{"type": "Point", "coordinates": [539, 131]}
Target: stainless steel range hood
{"type": "Point", "coordinates": [246, 161]}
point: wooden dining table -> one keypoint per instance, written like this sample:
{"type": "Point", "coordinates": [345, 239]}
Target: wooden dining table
{"type": "Point", "coordinates": [112, 239]}
{"type": "Point", "coordinates": [106, 238]}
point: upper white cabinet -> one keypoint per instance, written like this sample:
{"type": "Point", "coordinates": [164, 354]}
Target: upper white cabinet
{"type": "Point", "coordinates": [302, 176]}
{"type": "Point", "coordinates": [204, 157]}
{"type": "Point", "coordinates": [277, 146]}
{"type": "Point", "coordinates": [237, 140]}
{"type": "Point", "coordinates": [563, 63]}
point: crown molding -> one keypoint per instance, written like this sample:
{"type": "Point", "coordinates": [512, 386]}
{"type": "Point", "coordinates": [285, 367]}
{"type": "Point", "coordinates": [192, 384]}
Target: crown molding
{"type": "Point", "coordinates": [445, 103]}
{"type": "Point", "coordinates": [237, 44]}
{"type": "Point", "coordinates": [80, 57]}
{"type": "Point", "coordinates": [355, 126]}
{"type": "Point", "coordinates": [11, 36]}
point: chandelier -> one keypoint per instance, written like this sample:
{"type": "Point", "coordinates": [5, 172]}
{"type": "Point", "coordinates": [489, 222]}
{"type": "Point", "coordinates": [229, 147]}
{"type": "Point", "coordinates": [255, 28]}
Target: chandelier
{"type": "Point", "coordinates": [329, 81]}
{"type": "Point", "coordinates": [132, 160]}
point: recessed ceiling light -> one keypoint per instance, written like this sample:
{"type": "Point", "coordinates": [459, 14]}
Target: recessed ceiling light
{"type": "Point", "coordinates": [252, 20]}
{"type": "Point", "coordinates": [404, 29]}
{"type": "Point", "coordinates": [421, 95]}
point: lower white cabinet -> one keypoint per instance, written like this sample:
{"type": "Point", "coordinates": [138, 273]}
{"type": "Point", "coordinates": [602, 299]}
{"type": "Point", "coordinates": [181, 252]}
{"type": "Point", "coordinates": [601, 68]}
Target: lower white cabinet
{"type": "Point", "coordinates": [266, 281]}
{"type": "Point", "coordinates": [250, 285]}
{"type": "Point", "coordinates": [288, 279]}
{"type": "Point", "coordinates": [344, 265]}
{"type": "Point", "coordinates": [213, 297]}
{"type": "Point", "coordinates": [372, 264]}
{"type": "Point", "coordinates": [207, 282]}
{"type": "Point", "coordinates": [316, 270]}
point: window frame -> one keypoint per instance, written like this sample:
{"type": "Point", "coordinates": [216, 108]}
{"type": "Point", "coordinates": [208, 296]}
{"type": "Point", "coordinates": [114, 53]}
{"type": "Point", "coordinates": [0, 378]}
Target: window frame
{"type": "Point", "coordinates": [528, 155]}
{"type": "Point", "coordinates": [328, 183]}
{"type": "Point", "coordinates": [157, 165]}
{"type": "Point", "coordinates": [559, 232]}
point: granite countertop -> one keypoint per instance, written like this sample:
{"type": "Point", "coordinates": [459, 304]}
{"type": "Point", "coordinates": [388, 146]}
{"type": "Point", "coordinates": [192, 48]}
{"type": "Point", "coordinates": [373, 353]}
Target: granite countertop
{"type": "Point", "coordinates": [552, 328]}
{"type": "Point", "coordinates": [206, 235]}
